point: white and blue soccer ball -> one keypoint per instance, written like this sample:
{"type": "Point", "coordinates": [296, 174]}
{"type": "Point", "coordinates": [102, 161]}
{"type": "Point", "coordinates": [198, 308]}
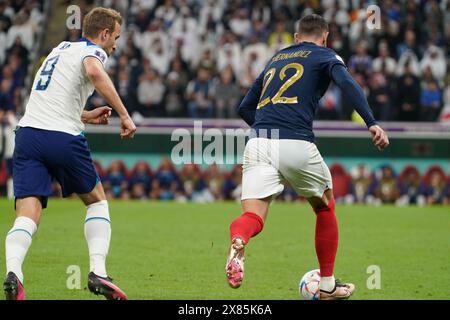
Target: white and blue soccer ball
{"type": "Point", "coordinates": [309, 285]}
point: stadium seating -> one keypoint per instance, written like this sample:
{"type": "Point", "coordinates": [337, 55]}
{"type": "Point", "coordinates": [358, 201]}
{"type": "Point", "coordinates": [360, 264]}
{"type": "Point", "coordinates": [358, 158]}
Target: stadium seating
{"type": "Point", "coordinates": [168, 46]}
{"type": "Point", "coordinates": [191, 175]}
{"type": "Point", "coordinates": [341, 181]}
{"type": "Point", "coordinates": [166, 43]}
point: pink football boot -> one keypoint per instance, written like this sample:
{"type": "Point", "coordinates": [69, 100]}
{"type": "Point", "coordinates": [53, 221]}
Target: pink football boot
{"type": "Point", "coordinates": [13, 288]}
{"type": "Point", "coordinates": [235, 263]}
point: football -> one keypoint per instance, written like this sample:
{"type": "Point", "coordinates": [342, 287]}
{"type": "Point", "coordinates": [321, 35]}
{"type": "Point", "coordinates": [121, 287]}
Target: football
{"type": "Point", "coordinates": [309, 285]}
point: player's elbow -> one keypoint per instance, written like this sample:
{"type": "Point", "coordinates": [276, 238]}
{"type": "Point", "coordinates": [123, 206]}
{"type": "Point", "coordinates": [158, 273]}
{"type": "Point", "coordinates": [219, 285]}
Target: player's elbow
{"type": "Point", "coordinates": [243, 112]}
{"type": "Point", "coordinates": [240, 111]}
{"type": "Point", "coordinates": [248, 115]}
{"type": "Point", "coordinates": [345, 83]}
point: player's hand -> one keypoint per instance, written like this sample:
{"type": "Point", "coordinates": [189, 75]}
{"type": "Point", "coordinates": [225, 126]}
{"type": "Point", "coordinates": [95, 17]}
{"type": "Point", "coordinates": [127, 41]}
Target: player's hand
{"type": "Point", "coordinates": [99, 115]}
{"type": "Point", "coordinates": [379, 137]}
{"type": "Point", "coordinates": [127, 128]}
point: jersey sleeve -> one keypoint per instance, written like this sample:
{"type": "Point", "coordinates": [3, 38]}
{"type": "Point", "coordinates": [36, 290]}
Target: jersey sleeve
{"type": "Point", "coordinates": [247, 108]}
{"type": "Point", "coordinates": [354, 93]}
{"type": "Point", "coordinates": [332, 59]}
{"type": "Point", "coordinates": [96, 52]}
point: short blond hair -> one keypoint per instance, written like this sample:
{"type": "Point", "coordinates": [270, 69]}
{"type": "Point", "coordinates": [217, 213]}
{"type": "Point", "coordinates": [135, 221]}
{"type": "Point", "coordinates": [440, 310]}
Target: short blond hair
{"type": "Point", "coordinates": [99, 19]}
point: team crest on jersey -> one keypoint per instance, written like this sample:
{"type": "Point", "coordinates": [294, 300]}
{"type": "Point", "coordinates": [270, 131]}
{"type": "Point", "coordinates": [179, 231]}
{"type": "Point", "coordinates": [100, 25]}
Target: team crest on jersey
{"type": "Point", "coordinates": [100, 55]}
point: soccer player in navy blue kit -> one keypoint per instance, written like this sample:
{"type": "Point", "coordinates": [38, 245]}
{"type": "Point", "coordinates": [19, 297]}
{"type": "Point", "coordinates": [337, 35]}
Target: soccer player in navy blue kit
{"type": "Point", "coordinates": [280, 108]}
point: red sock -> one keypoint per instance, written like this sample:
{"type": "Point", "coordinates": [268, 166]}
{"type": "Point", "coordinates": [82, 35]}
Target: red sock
{"type": "Point", "coordinates": [246, 226]}
{"type": "Point", "coordinates": [326, 238]}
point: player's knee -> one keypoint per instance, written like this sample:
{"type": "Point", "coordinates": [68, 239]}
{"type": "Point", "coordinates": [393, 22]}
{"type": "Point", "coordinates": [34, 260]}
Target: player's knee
{"type": "Point", "coordinates": [324, 202]}
{"type": "Point", "coordinates": [96, 195]}
{"type": "Point", "coordinates": [317, 203]}
{"type": "Point", "coordinates": [34, 216]}
{"type": "Point", "coordinates": [258, 206]}
{"type": "Point", "coordinates": [30, 207]}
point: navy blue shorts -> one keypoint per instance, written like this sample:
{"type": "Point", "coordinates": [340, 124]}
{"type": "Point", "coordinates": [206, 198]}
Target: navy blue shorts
{"type": "Point", "coordinates": [40, 156]}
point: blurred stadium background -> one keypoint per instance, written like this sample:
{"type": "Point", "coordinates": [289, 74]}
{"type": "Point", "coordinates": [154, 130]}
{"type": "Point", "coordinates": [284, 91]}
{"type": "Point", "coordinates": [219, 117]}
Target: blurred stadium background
{"type": "Point", "coordinates": [180, 60]}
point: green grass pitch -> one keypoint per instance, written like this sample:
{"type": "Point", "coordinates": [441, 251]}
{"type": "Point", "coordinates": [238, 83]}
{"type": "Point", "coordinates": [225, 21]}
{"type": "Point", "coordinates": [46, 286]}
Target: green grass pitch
{"type": "Point", "coordinates": [178, 251]}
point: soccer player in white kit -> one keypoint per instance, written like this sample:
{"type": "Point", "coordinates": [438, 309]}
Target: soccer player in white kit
{"type": "Point", "coordinates": [50, 144]}
{"type": "Point", "coordinates": [280, 108]}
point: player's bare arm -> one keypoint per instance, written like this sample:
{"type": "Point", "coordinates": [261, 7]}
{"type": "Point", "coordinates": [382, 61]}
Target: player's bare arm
{"type": "Point", "coordinates": [103, 84]}
{"type": "Point", "coordinates": [354, 93]}
{"type": "Point", "coordinates": [98, 116]}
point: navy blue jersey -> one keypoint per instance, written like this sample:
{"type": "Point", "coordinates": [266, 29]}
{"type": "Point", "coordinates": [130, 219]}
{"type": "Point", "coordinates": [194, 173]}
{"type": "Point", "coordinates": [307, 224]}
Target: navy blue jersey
{"type": "Point", "coordinates": [288, 91]}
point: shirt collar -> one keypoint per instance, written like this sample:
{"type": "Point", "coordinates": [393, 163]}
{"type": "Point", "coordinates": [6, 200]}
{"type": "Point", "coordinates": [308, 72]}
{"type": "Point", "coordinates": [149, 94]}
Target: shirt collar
{"type": "Point", "coordinates": [89, 43]}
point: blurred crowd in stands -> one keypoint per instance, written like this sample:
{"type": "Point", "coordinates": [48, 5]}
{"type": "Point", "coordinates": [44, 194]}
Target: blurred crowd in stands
{"type": "Point", "coordinates": [384, 185]}
{"type": "Point", "coordinates": [20, 23]}
{"type": "Point", "coordinates": [197, 58]}
{"type": "Point", "coordinates": [193, 184]}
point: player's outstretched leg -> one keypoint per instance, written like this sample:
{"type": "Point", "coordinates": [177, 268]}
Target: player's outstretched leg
{"type": "Point", "coordinates": [17, 243]}
{"type": "Point", "coordinates": [248, 225]}
{"type": "Point", "coordinates": [97, 230]}
{"type": "Point", "coordinates": [326, 243]}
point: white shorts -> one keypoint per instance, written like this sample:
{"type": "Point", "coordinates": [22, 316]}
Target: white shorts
{"type": "Point", "coordinates": [269, 162]}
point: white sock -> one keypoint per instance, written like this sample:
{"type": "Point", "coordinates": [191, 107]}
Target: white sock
{"type": "Point", "coordinates": [17, 243]}
{"type": "Point", "coordinates": [97, 230]}
{"type": "Point", "coordinates": [327, 283]}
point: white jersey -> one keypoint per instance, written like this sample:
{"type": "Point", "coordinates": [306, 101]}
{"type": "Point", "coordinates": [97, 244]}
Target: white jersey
{"type": "Point", "coordinates": [61, 88]}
